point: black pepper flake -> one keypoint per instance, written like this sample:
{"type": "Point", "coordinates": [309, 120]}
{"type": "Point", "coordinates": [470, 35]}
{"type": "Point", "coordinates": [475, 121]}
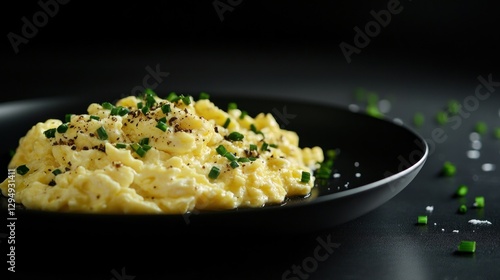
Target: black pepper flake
{"type": "Point", "coordinates": [52, 183]}
{"type": "Point", "coordinates": [69, 163]}
{"type": "Point", "coordinates": [67, 168]}
{"type": "Point", "coordinates": [91, 134]}
{"type": "Point", "coordinates": [73, 148]}
{"type": "Point", "coordinates": [216, 129]}
{"type": "Point", "coordinates": [171, 120]}
{"type": "Point", "coordinates": [85, 148]}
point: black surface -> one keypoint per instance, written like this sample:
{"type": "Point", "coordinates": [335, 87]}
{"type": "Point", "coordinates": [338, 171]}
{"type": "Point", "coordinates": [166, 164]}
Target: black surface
{"type": "Point", "coordinates": [430, 53]}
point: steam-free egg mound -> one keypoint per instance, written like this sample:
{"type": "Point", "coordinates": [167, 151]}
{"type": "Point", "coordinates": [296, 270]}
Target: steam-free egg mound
{"type": "Point", "coordinates": [147, 154]}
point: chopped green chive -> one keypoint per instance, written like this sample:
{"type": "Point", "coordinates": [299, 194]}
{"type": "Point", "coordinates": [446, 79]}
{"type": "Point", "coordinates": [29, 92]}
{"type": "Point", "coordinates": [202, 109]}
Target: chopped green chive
{"type": "Point", "coordinates": [203, 95]}
{"type": "Point", "coordinates": [360, 94]}
{"type": "Point", "coordinates": [234, 164]}
{"type": "Point", "coordinates": [330, 154]}
{"type": "Point", "coordinates": [481, 128]}
{"type": "Point", "coordinates": [372, 99]}
{"type": "Point", "coordinates": [227, 122]}
{"type": "Point", "coordinates": [253, 147]}
{"type": "Point", "coordinates": [161, 125]}
{"type": "Point", "coordinates": [12, 152]}
{"type": "Point", "coordinates": [243, 114]}
{"type": "Point", "coordinates": [235, 136]}
{"type": "Point", "coordinates": [230, 156]}
{"type": "Point", "coordinates": [121, 146]}
{"type": "Point", "coordinates": [232, 106]}
{"type": "Point", "coordinates": [165, 108]}
{"type": "Point", "coordinates": [453, 107]}
{"type": "Point", "coordinates": [422, 220]}
{"type": "Point", "coordinates": [252, 158]}
{"type": "Point", "coordinates": [62, 128]}
{"type": "Point", "coordinates": [107, 105]}
{"type": "Point", "coordinates": [497, 133]}
{"type": "Point", "coordinates": [264, 146]}
{"type": "Point", "coordinates": [221, 150]}
{"type": "Point", "coordinates": [138, 149]}
{"type": "Point", "coordinates": [22, 169]}
{"type": "Point", "coordinates": [149, 92]}
{"type": "Point", "coordinates": [467, 246]}
{"type": "Point", "coordinates": [140, 105]}
{"type": "Point", "coordinates": [50, 133]}
{"type": "Point", "coordinates": [479, 202]}
{"type": "Point", "coordinates": [95, 118]}
{"type": "Point", "coordinates": [373, 111]}
{"type": "Point", "coordinates": [67, 117]}
{"type": "Point", "coordinates": [306, 176]}
{"type": "Point", "coordinates": [146, 147]}
{"type": "Point", "coordinates": [56, 172]}
{"type": "Point", "coordinates": [114, 111]}
{"type": "Point", "coordinates": [214, 172]}
{"type": "Point", "coordinates": [101, 133]}
{"type": "Point", "coordinates": [243, 159]}
{"type": "Point", "coordinates": [448, 169]}
{"type": "Point", "coordinates": [173, 97]}
{"type": "Point", "coordinates": [418, 119]}
{"type": "Point", "coordinates": [442, 117]}
{"type": "Point", "coordinates": [150, 101]}
{"type": "Point", "coordinates": [462, 190]}
{"type": "Point", "coordinates": [123, 111]}
{"type": "Point", "coordinates": [186, 99]}
{"type": "Point", "coordinates": [254, 129]}
{"type": "Point", "coordinates": [462, 209]}
{"type": "Point", "coordinates": [145, 110]}
{"type": "Point", "coordinates": [144, 141]}
{"type": "Point", "coordinates": [273, 145]}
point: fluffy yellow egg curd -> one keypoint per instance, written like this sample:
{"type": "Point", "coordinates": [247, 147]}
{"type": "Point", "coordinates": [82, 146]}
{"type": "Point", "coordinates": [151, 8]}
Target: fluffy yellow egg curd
{"type": "Point", "coordinates": [146, 154]}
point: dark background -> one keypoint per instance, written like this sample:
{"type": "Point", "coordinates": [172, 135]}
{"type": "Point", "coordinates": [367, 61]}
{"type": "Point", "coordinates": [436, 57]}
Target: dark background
{"type": "Point", "coordinates": [88, 45]}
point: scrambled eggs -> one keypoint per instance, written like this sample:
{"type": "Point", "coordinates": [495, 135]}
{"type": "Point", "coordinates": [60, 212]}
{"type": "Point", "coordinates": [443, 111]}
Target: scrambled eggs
{"type": "Point", "coordinates": [146, 154]}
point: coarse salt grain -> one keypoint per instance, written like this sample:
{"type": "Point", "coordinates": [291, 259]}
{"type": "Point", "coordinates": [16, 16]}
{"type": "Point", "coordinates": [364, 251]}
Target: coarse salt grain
{"type": "Point", "coordinates": [479, 222]}
{"type": "Point", "coordinates": [429, 208]}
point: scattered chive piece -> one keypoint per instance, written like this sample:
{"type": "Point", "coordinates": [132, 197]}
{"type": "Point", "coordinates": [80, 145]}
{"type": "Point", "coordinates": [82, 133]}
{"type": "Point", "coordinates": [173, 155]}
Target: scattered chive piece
{"type": "Point", "coordinates": [101, 133]}
{"type": "Point", "coordinates": [227, 122]}
{"type": "Point", "coordinates": [422, 220]}
{"type": "Point", "coordinates": [234, 164]}
{"type": "Point", "coordinates": [462, 209]}
{"type": "Point", "coordinates": [373, 111]}
{"type": "Point", "coordinates": [62, 128]}
{"type": "Point", "coordinates": [243, 159]}
{"type": "Point", "coordinates": [123, 111]}
{"type": "Point", "coordinates": [360, 94]}
{"type": "Point", "coordinates": [67, 118]}
{"type": "Point", "coordinates": [204, 95]}
{"type": "Point", "coordinates": [453, 107]}
{"type": "Point", "coordinates": [466, 246]}
{"type": "Point", "coordinates": [418, 119]}
{"type": "Point", "coordinates": [95, 118]}
{"type": "Point", "coordinates": [12, 152]}
{"type": "Point", "coordinates": [264, 146]}
{"type": "Point", "coordinates": [232, 106]}
{"type": "Point", "coordinates": [165, 108]}
{"type": "Point", "coordinates": [442, 117]}
{"type": "Point", "coordinates": [253, 147]}
{"type": "Point", "coordinates": [252, 158]}
{"type": "Point", "coordinates": [372, 99]}
{"type": "Point", "coordinates": [221, 150]}
{"type": "Point", "coordinates": [50, 133]}
{"type": "Point", "coordinates": [164, 119]}
{"type": "Point", "coordinates": [114, 111]}
{"type": "Point", "coordinates": [235, 136]}
{"type": "Point", "coordinates": [243, 114]}
{"type": "Point", "coordinates": [214, 172]}
{"type": "Point", "coordinates": [186, 99]}
{"type": "Point", "coordinates": [146, 147]}
{"type": "Point", "coordinates": [22, 169]}
{"type": "Point", "coordinates": [230, 156]}
{"type": "Point", "coordinates": [56, 172]}
{"type": "Point", "coordinates": [161, 125]}
{"type": "Point", "coordinates": [479, 202]}
{"type": "Point", "coordinates": [107, 105]}
{"type": "Point", "coordinates": [150, 101]}
{"type": "Point", "coordinates": [306, 176]}
{"type": "Point", "coordinates": [497, 133]}
{"type": "Point", "coordinates": [462, 190]}
{"type": "Point", "coordinates": [140, 105]}
{"type": "Point", "coordinates": [449, 169]}
{"type": "Point", "coordinates": [121, 146]}
{"type": "Point", "coordinates": [138, 149]}
{"type": "Point", "coordinates": [273, 145]}
{"type": "Point", "coordinates": [144, 141]}
{"type": "Point", "coordinates": [149, 92]}
{"type": "Point", "coordinates": [173, 97]}
{"type": "Point", "coordinates": [481, 128]}
{"type": "Point", "coordinates": [145, 110]}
